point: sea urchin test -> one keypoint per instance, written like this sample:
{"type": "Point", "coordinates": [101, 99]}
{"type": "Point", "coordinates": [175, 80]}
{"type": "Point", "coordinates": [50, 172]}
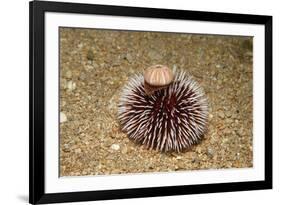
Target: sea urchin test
{"type": "Point", "coordinates": [163, 110]}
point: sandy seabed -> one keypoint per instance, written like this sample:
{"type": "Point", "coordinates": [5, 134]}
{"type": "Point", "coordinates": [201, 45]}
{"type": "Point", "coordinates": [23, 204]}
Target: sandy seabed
{"type": "Point", "coordinates": [96, 64]}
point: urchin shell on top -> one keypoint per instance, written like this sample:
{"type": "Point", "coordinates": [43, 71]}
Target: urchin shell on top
{"type": "Point", "coordinates": [171, 119]}
{"type": "Point", "coordinates": [158, 75]}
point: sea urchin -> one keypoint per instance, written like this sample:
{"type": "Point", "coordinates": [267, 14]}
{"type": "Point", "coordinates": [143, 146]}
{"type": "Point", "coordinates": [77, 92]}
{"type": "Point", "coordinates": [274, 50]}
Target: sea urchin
{"type": "Point", "coordinates": [170, 119]}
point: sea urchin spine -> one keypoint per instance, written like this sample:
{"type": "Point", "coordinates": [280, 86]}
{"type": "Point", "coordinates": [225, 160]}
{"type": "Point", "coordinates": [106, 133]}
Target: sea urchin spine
{"type": "Point", "coordinates": [170, 119]}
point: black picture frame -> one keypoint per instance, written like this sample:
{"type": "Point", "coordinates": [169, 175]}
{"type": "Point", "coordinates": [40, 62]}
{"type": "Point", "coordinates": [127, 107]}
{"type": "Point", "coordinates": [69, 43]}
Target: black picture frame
{"type": "Point", "coordinates": [37, 9]}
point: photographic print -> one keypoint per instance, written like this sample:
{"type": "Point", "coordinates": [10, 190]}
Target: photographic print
{"type": "Point", "coordinates": [129, 102]}
{"type": "Point", "coordinates": [138, 102]}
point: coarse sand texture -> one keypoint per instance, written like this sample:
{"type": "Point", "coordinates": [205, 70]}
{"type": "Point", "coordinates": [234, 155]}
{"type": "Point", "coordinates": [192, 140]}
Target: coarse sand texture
{"type": "Point", "coordinates": [95, 65]}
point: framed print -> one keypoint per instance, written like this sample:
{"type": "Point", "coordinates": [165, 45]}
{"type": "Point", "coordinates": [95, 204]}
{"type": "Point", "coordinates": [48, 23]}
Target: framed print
{"type": "Point", "coordinates": [141, 102]}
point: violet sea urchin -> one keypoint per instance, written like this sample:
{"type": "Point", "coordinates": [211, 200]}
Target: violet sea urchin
{"type": "Point", "coordinates": [170, 119]}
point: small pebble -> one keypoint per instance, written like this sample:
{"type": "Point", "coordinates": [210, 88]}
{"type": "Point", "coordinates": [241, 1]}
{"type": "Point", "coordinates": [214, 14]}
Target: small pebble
{"type": "Point", "coordinates": [71, 85]}
{"type": "Point", "coordinates": [228, 113]}
{"type": "Point", "coordinates": [124, 150]}
{"type": "Point", "coordinates": [210, 152]}
{"type": "Point", "coordinates": [63, 103]}
{"type": "Point", "coordinates": [82, 76]}
{"type": "Point", "coordinates": [78, 150]}
{"type": "Point", "coordinates": [129, 58]}
{"type": "Point", "coordinates": [80, 45]}
{"type": "Point", "coordinates": [90, 55]}
{"type": "Point", "coordinates": [115, 147]}
{"type": "Point", "coordinates": [68, 74]}
{"type": "Point", "coordinates": [66, 148]}
{"type": "Point", "coordinates": [227, 131]}
{"type": "Point", "coordinates": [221, 114]}
{"type": "Point", "coordinates": [198, 149]}
{"type": "Point", "coordinates": [63, 117]}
